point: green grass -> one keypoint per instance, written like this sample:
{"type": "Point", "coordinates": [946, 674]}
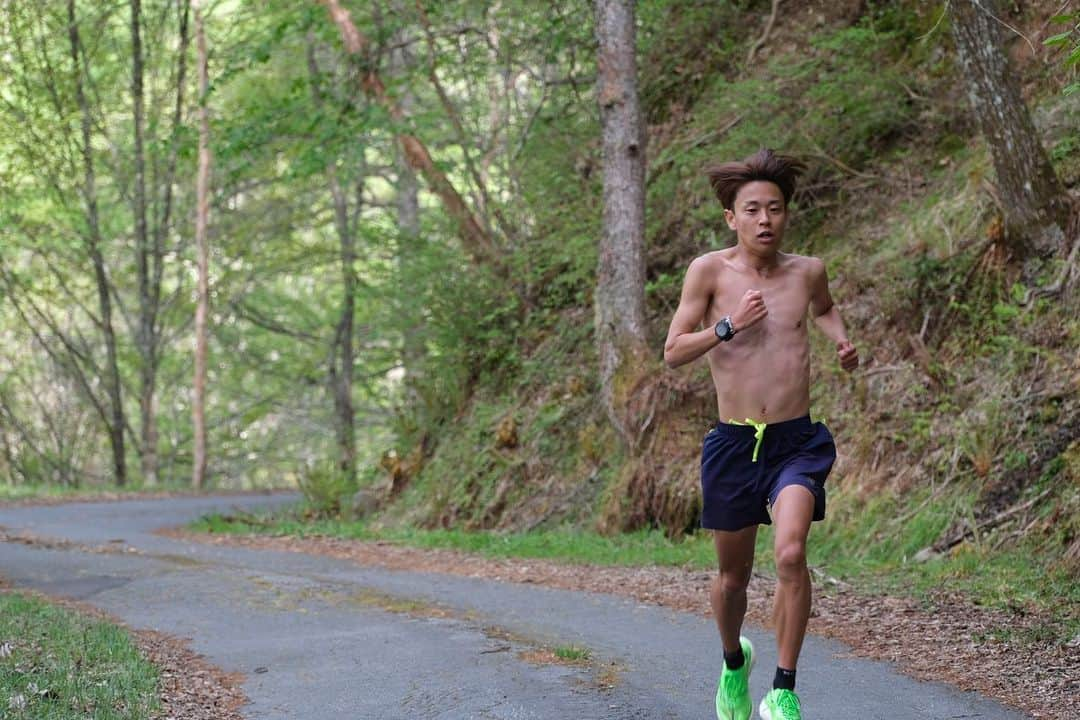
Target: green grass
{"type": "Point", "coordinates": [572, 653]}
{"type": "Point", "coordinates": [649, 547]}
{"type": "Point", "coordinates": [59, 665]}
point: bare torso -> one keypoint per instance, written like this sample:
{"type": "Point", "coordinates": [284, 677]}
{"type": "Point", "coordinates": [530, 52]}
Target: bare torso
{"type": "Point", "coordinates": [763, 373]}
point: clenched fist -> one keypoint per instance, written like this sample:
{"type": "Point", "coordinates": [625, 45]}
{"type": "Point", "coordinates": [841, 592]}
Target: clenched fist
{"type": "Point", "coordinates": [750, 311]}
{"type": "Point", "coordinates": [849, 356]}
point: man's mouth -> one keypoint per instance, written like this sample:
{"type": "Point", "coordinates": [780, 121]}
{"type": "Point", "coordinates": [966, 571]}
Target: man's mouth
{"type": "Point", "coordinates": [766, 235]}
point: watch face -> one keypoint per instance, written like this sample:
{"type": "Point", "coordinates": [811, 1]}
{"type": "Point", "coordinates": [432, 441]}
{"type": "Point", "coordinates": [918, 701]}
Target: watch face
{"type": "Point", "coordinates": [723, 329]}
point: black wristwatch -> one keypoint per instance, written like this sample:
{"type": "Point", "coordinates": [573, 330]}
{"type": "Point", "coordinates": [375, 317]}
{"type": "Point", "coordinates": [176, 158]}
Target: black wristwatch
{"type": "Point", "coordinates": [724, 329]}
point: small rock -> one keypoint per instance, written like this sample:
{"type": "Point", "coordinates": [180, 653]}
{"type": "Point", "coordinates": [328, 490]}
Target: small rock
{"type": "Point", "coordinates": [927, 553]}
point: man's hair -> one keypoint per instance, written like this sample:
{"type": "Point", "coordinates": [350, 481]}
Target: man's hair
{"type": "Point", "coordinates": [782, 170]}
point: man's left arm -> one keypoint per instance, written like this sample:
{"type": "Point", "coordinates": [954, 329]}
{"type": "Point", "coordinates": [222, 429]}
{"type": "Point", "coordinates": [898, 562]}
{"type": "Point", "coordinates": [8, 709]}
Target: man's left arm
{"type": "Point", "coordinates": [827, 316]}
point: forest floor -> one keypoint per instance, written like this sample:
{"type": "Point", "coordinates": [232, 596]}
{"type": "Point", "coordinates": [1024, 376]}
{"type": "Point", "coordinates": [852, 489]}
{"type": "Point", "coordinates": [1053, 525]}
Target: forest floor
{"type": "Point", "coordinates": [942, 638]}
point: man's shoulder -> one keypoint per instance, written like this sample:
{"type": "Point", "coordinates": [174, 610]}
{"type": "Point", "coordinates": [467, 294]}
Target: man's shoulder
{"type": "Point", "coordinates": [805, 263]}
{"type": "Point", "coordinates": [711, 261]}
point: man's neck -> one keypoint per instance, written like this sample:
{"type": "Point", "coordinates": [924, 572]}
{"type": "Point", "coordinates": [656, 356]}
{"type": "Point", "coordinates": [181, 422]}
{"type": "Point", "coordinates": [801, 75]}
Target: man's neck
{"type": "Point", "coordinates": [761, 264]}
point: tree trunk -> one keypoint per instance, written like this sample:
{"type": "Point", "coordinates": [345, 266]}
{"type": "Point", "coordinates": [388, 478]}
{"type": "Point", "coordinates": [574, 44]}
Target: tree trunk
{"type": "Point", "coordinates": [344, 337]}
{"type": "Point", "coordinates": [476, 240]}
{"type": "Point", "coordinates": [202, 216]}
{"type": "Point", "coordinates": [1032, 197]}
{"type": "Point", "coordinates": [115, 426]}
{"type": "Point", "coordinates": [619, 298]}
{"type": "Point", "coordinates": [341, 349]}
{"type": "Point", "coordinates": [147, 340]}
{"type": "Point", "coordinates": [407, 200]}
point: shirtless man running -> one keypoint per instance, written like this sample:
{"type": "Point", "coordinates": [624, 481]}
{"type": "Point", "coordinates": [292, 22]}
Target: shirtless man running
{"type": "Point", "coordinates": [765, 461]}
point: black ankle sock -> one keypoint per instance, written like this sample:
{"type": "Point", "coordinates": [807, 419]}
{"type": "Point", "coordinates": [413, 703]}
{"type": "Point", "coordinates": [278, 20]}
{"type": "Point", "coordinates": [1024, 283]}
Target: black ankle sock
{"type": "Point", "coordinates": [784, 680]}
{"type": "Point", "coordinates": [734, 660]}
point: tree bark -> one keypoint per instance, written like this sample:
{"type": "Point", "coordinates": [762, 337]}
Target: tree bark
{"type": "Point", "coordinates": [202, 216]}
{"type": "Point", "coordinates": [475, 239]}
{"type": "Point", "coordinates": [1032, 196]}
{"type": "Point", "coordinates": [619, 298]}
{"type": "Point", "coordinates": [114, 426]}
{"type": "Point", "coordinates": [147, 341]}
{"type": "Point", "coordinates": [344, 337]}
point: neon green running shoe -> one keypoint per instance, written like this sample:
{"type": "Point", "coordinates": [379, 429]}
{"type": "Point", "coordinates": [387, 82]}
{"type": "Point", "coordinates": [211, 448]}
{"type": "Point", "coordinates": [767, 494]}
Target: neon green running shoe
{"type": "Point", "coordinates": [733, 692]}
{"type": "Point", "coordinates": [780, 705]}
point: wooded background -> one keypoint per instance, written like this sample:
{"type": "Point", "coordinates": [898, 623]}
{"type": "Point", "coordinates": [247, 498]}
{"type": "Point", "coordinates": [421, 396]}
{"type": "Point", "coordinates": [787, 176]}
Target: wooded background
{"type": "Point", "coordinates": [430, 249]}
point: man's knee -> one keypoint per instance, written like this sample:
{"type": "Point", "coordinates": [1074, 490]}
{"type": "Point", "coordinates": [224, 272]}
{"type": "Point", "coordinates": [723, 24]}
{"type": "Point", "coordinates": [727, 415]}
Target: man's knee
{"type": "Point", "coordinates": [790, 558]}
{"type": "Point", "coordinates": [733, 580]}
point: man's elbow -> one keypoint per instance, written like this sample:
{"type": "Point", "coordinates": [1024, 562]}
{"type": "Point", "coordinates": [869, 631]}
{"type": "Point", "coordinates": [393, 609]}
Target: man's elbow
{"type": "Point", "coordinates": [671, 358]}
{"type": "Point", "coordinates": [822, 311]}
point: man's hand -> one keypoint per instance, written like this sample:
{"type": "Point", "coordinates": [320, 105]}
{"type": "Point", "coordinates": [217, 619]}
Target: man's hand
{"type": "Point", "coordinates": [849, 356]}
{"type": "Point", "coordinates": [751, 310]}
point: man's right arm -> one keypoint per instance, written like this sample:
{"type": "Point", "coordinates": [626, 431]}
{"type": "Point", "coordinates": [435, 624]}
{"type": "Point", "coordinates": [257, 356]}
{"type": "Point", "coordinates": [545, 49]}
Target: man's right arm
{"type": "Point", "coordinates": [684, 341]}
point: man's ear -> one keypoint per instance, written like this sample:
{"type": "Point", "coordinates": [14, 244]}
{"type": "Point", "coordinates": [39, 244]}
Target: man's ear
{"type": "Point", "coordinates": [730, 217]}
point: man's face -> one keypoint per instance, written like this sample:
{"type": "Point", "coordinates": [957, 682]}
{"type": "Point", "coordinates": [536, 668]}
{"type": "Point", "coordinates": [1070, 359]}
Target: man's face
{"type": "Point", "coordinates": [759, 217]}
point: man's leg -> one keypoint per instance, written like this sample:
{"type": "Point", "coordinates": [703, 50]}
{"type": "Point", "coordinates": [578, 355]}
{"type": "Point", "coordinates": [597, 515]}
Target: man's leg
{"type": "Point", "coordinates": [792, 514]}
{"type": "Point", "coordinates": [735, 558]}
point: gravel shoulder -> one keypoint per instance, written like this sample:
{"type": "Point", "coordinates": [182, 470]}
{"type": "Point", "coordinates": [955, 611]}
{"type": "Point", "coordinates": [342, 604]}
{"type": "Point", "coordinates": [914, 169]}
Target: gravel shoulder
{"type": "Point", "coordinates": [941, 638]}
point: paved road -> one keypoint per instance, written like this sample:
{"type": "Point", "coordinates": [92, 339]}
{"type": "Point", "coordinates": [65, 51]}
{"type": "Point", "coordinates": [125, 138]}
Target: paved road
{"type": "Point", "coordinates": [319, 638]}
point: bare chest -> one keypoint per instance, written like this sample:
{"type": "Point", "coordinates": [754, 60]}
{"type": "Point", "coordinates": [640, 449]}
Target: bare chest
{"type": "Point", "coordinates": [787, 299]}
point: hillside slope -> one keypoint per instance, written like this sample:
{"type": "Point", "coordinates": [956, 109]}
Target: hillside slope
{"type": "Point", "coordinates": [957, 439]}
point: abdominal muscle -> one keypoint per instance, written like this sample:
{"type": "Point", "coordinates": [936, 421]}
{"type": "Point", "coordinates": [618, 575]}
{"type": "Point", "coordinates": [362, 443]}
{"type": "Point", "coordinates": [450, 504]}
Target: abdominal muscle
{"type": "Point", "coordinates": [763, 373]}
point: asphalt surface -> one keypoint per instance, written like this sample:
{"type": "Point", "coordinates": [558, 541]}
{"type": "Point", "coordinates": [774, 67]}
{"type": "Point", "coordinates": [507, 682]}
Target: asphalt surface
{"type": "Point", "coordinates": [319, 638]}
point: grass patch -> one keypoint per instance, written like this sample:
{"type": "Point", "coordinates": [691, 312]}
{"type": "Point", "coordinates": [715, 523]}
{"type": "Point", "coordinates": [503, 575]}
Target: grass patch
{"type": "Point", "coordinates": [573, 653]}
{"type": "Point", "coordinates": [58, 665]}
{"type": "Point", "coordinates": [645, 547]}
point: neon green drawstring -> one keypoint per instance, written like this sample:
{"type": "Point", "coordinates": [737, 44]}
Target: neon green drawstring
{"type": "Point", "coordinates": [759, 433]}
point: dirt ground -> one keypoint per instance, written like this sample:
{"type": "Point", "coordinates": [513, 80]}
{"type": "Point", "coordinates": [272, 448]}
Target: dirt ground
{"type": "Point", "coordinates": [940, 638]}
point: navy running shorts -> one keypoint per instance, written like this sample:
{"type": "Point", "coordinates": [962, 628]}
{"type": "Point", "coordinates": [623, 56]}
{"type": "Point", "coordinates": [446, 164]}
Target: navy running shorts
{"type": "Point", "coordinates": [738, 490]}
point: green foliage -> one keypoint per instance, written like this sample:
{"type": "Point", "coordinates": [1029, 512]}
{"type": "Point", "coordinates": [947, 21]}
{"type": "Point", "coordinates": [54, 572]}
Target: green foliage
{"type": "Point", "coordinates": [857, 104]}
{"type": "Point", "coordinates": [326, 488]}
{"type": "Point", "coordinates": [682, 46]}
{"type": "Point", "coordinates": [58, 665]}
{"type": "Point", "coordinates": [573, 653]}
{"type": "Point", "coordinates": [1069, 41]}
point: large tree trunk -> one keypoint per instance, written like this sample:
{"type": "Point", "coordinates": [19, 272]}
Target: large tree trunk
{"type": "Point", "coordinates": [114, 426]}
{"type": "Point", "coordinates": [619, 299]}
{"type": "Point", "coordinates": [202, 216]}
{"type": "Point", "coordinates": [146, 336]}
{"type": "Point", "coordinates": [1032, 197]}
{"type": "Point", "coordinates": [476, 240]}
